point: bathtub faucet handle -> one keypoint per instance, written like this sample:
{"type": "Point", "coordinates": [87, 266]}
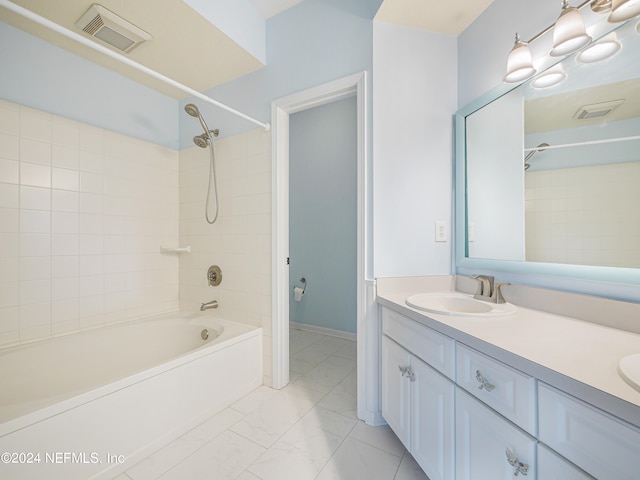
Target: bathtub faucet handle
{"type": "Point", "coordinates": [208, 305]}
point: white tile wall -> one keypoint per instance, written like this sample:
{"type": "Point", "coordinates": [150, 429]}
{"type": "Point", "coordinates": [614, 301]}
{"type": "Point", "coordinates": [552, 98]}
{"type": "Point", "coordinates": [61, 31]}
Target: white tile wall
{"type": "Point", "coordinates": [240, 241]}
{"type": "Point", "coordinates": [83, 212]}
{"type": "Point", "coordinates": [584, 216]}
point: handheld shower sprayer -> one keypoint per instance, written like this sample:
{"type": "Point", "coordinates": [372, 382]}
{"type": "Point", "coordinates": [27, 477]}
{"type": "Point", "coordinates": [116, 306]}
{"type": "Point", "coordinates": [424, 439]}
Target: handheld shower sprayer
{"type": "Point", "coordinates": [200, 140]}
{"type": "Point", "coordinates": [203, 141]}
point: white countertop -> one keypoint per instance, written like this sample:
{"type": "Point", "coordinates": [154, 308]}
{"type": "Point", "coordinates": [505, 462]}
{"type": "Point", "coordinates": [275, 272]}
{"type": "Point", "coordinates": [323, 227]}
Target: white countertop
{"type": "Point", "coordinates": [578, 357]}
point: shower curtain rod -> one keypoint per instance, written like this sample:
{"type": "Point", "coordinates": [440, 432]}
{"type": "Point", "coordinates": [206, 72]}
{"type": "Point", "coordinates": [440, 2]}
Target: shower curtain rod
{"type": "Point", "coordinates": [91, 44]}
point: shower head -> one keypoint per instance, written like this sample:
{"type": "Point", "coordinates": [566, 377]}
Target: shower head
{"type": "Point", "coordinates": [540, 148]}
{"type": "Point", "coordinates": [201, 140]}
{"type": "Point", "coordinates": [192, 110]}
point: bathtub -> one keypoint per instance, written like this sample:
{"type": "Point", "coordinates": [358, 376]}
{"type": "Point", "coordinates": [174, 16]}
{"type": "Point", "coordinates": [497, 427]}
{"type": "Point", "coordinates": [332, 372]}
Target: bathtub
{"type": "Point", "coordinates": [92, 404]}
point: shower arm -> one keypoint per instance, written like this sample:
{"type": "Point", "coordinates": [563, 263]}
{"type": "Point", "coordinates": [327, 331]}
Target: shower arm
{"type": "Point", "coordinates": [91, 44]}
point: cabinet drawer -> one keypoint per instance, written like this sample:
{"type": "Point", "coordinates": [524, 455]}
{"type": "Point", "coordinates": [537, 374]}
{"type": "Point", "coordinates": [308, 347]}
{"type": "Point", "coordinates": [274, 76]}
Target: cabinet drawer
{"type": "Point", "coordinates": [432, 347]}
{"type": "Point", "coordinates": [600, 444]}
{"type": "Point", "coordinates": [508, 391]}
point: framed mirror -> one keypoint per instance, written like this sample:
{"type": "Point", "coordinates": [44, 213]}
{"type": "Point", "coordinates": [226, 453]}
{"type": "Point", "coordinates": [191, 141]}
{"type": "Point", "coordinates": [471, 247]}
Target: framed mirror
{"type": "Point", "coordinates": [548, 175]}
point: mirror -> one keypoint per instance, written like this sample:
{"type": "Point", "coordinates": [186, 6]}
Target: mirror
{"type": "Point", "coordinates": [552, 175]}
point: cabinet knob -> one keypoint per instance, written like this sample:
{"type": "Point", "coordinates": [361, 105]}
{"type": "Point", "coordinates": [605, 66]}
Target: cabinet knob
{"type": "Point", "coordinates": [484, 383]}
{"type": "Point", "coordinates": [403, 370]}
{"type": "Point", "coordinates": [518, 466]}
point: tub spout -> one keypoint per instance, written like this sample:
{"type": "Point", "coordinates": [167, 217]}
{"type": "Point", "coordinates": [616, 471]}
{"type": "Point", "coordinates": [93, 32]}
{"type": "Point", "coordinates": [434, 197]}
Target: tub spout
{"type": "Point", "coordinates": [208, 305]}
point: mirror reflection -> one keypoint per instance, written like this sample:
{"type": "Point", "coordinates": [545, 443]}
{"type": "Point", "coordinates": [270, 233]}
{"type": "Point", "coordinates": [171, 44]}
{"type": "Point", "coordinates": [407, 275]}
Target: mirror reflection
{"type": "Point", "coordinates": [553, 172]}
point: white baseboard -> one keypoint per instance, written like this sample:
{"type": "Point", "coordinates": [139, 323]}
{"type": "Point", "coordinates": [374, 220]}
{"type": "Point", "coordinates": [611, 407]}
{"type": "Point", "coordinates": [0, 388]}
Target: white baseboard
{"type": "Point", "coordinates": [325, 331]}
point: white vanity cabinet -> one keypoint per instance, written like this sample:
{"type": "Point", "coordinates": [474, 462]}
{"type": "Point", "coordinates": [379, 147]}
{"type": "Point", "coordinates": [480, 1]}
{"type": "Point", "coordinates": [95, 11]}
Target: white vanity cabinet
{"type": "Point", "coordinates": [417, 400]}
{"type": "Point", "coordinates": [465, 415]}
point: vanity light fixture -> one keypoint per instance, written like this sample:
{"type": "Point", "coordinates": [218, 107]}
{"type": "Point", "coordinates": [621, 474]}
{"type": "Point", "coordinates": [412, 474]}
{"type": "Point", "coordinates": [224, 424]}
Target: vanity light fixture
{"type": "Point", "coordinates": [570, 35]}
{"type": "Point", "coordinates": [601, 50]}
{"type": "Point", "coordinates": [569, 32]}
{"type": "Point", "coordinates": [622, 10]}
{"type": "Point", "coordinates": [519, 62]}
{"type": "Point", "coordinates": [549, 78]}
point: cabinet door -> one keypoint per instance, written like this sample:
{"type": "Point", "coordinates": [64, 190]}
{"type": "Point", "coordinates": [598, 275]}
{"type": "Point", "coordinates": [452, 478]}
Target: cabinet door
{"type": "Point", "coordinates": [551, 465]}
{"type": "Point", "coordinates": [395, 388]}
{"type": "Point", "coordinates": [432, 421]}
{"type": "Point", "coordinates": [484, 441]}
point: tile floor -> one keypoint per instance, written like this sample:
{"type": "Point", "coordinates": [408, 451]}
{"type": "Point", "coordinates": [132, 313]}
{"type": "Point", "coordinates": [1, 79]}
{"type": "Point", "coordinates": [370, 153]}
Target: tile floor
{"type": "Point", "coordinates": [307, 430]}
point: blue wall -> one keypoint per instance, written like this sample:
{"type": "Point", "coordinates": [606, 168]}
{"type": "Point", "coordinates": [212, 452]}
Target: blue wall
{"type": "Point", "coordinates": [40, 75]}
{"type": "Point", "coordinates": [322, 214]}
{"type": "Point", "coordinates": [315, 42]}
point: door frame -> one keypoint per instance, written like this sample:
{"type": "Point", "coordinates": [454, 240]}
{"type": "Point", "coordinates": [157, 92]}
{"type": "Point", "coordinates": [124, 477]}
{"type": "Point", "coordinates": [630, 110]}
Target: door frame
{"type": "Point", "coordinates": [281, 109]}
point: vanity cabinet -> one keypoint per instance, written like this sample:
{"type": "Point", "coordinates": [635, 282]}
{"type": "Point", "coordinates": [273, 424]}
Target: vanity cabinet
{"type": "Point", "coordinates": [417, 400]}
{"type": "Point", "coordinates": [468, 416]}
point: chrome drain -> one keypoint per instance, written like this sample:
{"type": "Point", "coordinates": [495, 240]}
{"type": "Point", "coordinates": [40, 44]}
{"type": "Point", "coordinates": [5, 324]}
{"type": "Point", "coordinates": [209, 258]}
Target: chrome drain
{"type": "Point", "coordinates": [204, 334]}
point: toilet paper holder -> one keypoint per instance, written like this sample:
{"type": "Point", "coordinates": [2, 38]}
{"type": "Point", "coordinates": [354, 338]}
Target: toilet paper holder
{"type": "Point", "coordinates": [303, 281]}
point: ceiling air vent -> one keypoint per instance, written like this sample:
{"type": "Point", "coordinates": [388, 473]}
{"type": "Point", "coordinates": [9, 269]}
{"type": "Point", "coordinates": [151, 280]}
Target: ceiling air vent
{"type": "Point", "coordinates": [112, 29]}
{"type": "Point", "coordinates": [597, 109]}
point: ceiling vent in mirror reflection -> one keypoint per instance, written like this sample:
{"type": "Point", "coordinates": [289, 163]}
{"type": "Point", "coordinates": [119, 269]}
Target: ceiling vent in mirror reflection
{"type": "Point", "coordinates": [597, 109]}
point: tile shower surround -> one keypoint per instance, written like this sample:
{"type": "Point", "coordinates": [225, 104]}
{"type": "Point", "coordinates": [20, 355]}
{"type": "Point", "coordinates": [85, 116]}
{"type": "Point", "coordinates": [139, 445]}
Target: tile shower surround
{"type": "Point", "coordinates": [84, 211]}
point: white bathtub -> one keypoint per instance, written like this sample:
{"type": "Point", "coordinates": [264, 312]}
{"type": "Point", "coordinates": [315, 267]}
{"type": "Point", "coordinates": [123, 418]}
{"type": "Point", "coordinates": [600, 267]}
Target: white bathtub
{"type": "Point", "coordinates": [92, 404]}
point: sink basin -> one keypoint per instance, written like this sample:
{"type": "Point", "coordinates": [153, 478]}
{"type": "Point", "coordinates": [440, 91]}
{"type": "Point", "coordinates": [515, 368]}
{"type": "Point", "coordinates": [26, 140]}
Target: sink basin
{"type": "Point", "coordinates": [459, 304]}
{"type": "Point", "coordinates": [629, 370]}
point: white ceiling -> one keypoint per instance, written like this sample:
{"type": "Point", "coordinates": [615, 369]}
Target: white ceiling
{"type": "Point", "coordinates": [190, 50]}
{"type": "Point", "coordinates": [450, 17]}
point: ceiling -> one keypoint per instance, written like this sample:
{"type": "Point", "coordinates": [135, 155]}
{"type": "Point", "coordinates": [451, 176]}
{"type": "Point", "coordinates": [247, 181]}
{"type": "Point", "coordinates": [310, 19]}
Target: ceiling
{"type": "Point", "coordinates": [190, 50]}
{"type": "Point", "coordinates": [450, 17]}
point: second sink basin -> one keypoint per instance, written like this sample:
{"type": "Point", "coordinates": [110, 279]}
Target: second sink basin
{"type": "Point", "coordinates": [459, 304]}
{"type": "Point", "coordinates": [629, 370]}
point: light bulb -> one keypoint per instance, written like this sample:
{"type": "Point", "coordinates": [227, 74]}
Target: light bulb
{"type": "Point", "coordinates": [622, 10]}
{"type": "Point", "coordinates": [519, 62]}
{"type": "Point", "coordinates": [569, 32]}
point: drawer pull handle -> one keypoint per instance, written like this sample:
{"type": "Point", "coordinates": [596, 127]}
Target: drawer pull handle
{"type": "Point", "coordinates": [484, 383]}
{"type": "Point", "coordinates": [407, 371]}
{"type": "Point", "coordinates": [518, 466]}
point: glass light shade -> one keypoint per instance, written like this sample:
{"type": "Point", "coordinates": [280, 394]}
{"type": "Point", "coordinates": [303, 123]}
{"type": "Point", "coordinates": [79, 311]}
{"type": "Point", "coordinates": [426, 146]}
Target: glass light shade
{"type": "Point", "coordinates": [519, 63]}
{"type": "Point", "coordinates": [622, 10]}
{"type": "Point", "coordinates": [601, 50]}
{"type": "Point", "coordinates": [549, 78]}
{"type": "Point", "coordinates": [569, 32]}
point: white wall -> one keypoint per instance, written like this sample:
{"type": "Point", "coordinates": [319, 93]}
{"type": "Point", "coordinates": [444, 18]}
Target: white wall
{"type": "Point", "coordinates": [83, 212]}
{"type": "Point", "coordinates": [414, 100]}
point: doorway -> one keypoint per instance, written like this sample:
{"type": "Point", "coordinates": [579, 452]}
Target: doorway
{"type": "Point", "coordinates": [322, 218]}
{"type": "Point", "coordinates": [281, 111]}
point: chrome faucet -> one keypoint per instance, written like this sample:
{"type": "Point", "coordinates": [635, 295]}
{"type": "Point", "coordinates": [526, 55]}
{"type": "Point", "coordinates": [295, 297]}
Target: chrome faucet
{"type": "Point", "coordinates": [488, 289]}
{"type": "Point", "coordinates": [485, 287]}
{"type": "Point", "coordinates": [208, 305]}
